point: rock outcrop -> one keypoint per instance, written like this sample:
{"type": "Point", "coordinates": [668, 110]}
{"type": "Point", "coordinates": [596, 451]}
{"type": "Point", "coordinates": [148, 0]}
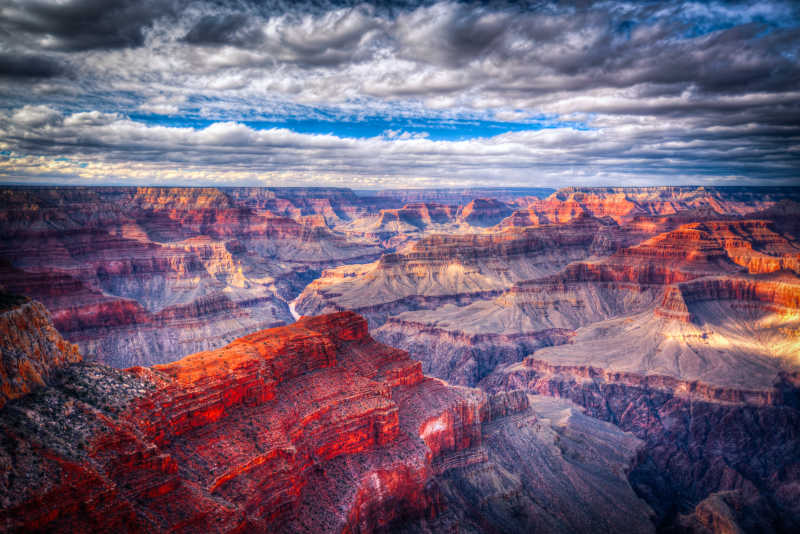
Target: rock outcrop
{"type": "Point", "coordinates": [485, 212]}
{"type": "Point", "coordinates": [31, 350]}
{"type": "Point", "coordinates": [689, 339]}
{"type": "Point", "coordinates": [624, 204]}
{"type": "Point", "coordinates": [312, 427]}
{"type": "Point", "coordinates": [715, 457]}
{"type": "Point", "coordinates": [698, 274]}
{"type": "Point", "coordinates": [603, 340]}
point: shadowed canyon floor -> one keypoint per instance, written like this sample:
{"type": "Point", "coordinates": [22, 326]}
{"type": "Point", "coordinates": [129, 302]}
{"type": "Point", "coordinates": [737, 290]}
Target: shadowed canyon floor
{"type": "Point", "coordinates": [602, 359]}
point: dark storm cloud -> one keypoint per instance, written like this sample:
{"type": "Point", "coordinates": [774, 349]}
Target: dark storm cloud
{"type": "Point", "coordinates": [231, 28]}
{"type": "Point", "coordinates": [84, 24]}
{"type": "Point", "coordinates": [28, 66]}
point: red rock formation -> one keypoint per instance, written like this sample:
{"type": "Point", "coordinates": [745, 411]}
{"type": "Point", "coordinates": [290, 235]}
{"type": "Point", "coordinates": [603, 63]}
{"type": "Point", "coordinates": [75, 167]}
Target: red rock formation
{"type": "Point", "coordinates": [333, 204]}
{"type": "Point", "coordinates": [775, 293]}
{"type": "Point", "coordinates": [514, 241]}
{"type": "Point", "coordinates": [312, 427]}
{"type": "Point", "coordinates": [754, 436]}
{"type": "Point", "coordinates": [418, 215]}
{"type": "Point", "coordinates": [135, 274]}
{"type": "Point", "coordinates": [318, 390]}
{"type": "Point", "coordinates": [559, 209]}
{"type": "Point", "coordinates": [624, 204]}
{"type": "Point", "coordinates": [522, 218]}
{"type": "Point", "coordinates": [485, 212]}
{"type": "Point", "coordinates": [439, 269]}
{"type": "Point", "coordinates": [30, 348]}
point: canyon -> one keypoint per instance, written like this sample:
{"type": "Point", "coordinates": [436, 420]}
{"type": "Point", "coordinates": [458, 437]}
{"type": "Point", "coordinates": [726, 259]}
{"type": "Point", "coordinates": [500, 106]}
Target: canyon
{"type": "Point", "coordinates": [323, 360]}
{"type": "Point", "coordinates": [672, 313]}
{"type": "Point", "coordinates": [313, 427]}
{"type": "Point", "coordinates": [148, 275]}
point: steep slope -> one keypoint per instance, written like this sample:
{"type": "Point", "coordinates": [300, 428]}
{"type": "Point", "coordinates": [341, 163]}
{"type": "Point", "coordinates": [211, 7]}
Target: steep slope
{"type": "Point", "coordinates": [705, 446]}
{"type": "Point", "coordinates": [444, 269]}
{"type": "Point", "coordinates": [30, 348]}
{"type": "Point", "coordinates": [484, 212]}
{"type": "Point", "coordinates": [146, 275]}
{"type": "Point", "coordinates": [585, 305]}
{"type": "Point", "coordinates": [313, 427]}
{"type": "Point", "coordinates": [688, 340]}
{"type": "Point", "coordinates": [396, 227]}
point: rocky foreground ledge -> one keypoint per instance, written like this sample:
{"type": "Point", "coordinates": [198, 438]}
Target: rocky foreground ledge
{"type": "Point", "coordinates": [313, 427]}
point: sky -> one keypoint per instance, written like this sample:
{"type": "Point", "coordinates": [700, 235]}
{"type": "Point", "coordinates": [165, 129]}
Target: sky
{"type": "Point", "coordinates": [399, 94]}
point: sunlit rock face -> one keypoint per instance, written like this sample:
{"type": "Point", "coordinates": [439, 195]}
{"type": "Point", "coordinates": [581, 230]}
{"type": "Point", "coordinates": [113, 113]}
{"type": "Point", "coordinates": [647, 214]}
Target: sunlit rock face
{"type": "Point", "coordinates": [689, 340]}
{"type": "Point", "coordinates": [442, 269]}
{"type": "Point", "coordinates": [313, 427]}
{"type": "Point", "coordinates": [625, 203]}
{"type": "Point", "coordinates": [31, 350]}
{"type": "Point", "coordinates": [716, 301]}
{"type": "Point", "coordinates": [148, 275]}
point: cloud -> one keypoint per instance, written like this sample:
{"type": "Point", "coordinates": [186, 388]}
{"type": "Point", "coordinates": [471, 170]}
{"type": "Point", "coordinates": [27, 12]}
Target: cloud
{"type": "Point", "coordinates": [647, 152]}
{"type": "Point", "coordinates": [229, 28]}
{"type": "Point", "coordinates": [36, 117]}
{"type": "Point", "coordinates": [83, 24]}
{"type": "Point", "coordinates": [687, 87]}
{"type": "Point", "coordinates": [29, 66]}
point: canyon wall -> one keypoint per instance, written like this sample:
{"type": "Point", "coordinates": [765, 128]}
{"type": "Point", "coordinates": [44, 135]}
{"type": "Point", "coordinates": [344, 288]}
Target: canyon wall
{"type": "Point", "coordinates": [679, 325]}
{"type": "Point", "coordinates": [147, 275]}
{"type": "Point", "coordinates": [601, 341]}
{"type": "Point", "coordinates": [312, 427]}
{"type": "Point", "coordinates": [703, 443]}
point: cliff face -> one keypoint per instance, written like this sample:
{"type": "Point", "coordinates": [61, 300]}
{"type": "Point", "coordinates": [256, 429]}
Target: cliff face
{"type": "Point", "coordinates": [418, 214]}
{"type": "Point", "coordinates": [485, 212]}
{"type": "Point", "coordinates": [31, 350]}
{"type": "Point", "coordinates": [311, 427]}
{"type": "Point", "coordinates": [624, 204]}
{"type": "Point", "coordinates": [146, 275]}
{"type": "Point", "coordinates": [669, 313]}
{"type": "Point", "coordinates": [714, 457]}
{"type": "Point", "coordinates": [443, 269]}
{"type": "Point", "coordinates": [687, 338]}
{"type": "Point", "coordinates": [696, 274]}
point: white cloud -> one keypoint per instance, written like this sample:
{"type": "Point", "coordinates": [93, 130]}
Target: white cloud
{"type": "Point", "coordinates": [682, 86]}
{"type": "Point", "coordinates": [36, 116]}
{"type": "Point", "coordinates": [115, 148]}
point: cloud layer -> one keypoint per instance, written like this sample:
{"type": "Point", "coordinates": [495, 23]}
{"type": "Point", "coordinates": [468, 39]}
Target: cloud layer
{"type": "Point", "coordinates": [634, 93]}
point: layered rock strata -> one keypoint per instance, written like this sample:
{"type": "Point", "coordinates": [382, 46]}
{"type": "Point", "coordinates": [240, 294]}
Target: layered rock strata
{"type": "Point", "coordinates": [626, 203]}
{"type": "Point", "coordinates": [714, 456]}
{"type": "Point", "coordinates": [147, 275]}
{"type": "Point", "coordinates": [688, 339]}
{"type": "Point", "coordinates": [313, 427]}
{"type": "Point", "coordinates": [450, 268]}
{"type": "Point", "coordinates": [737, 325]}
